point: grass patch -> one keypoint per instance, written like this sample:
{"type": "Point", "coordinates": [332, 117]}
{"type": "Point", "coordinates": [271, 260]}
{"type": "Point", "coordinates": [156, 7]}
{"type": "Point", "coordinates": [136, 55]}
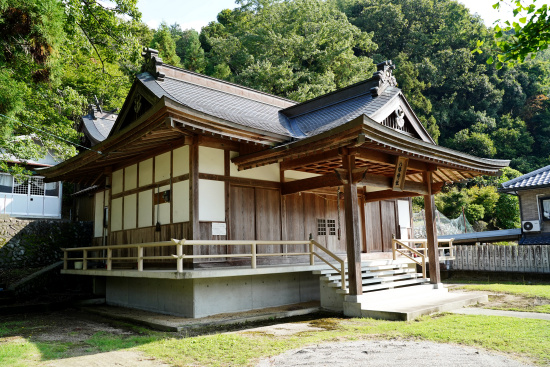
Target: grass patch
{"type": "Point", "coordinates": [7, 328]}
{"type": "Point", "coordinates": [104, 342]}
{"type": "Point", "coordinates": [537, 309]}
{"type": "Point", "coordinates": [518, 289]}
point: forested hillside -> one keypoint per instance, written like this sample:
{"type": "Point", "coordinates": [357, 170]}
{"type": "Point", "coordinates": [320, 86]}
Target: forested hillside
{"type": "Point", "coordinates": [57, 56]}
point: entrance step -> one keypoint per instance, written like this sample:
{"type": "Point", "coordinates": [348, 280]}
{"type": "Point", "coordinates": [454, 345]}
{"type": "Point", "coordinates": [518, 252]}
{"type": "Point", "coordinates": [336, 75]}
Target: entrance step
{"type": "Point", "coordinates": [390, 285]}
{"type": "Point", "coordinates": [367, 274]}
{"type": "Point", "coordinates": [372, 279]}
{"type": "Point", "coordinates": [408, 303]}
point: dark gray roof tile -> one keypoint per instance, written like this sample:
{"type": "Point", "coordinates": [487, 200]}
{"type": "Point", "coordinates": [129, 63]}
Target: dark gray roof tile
{"type": "Point", "coordinates": [540, 177]}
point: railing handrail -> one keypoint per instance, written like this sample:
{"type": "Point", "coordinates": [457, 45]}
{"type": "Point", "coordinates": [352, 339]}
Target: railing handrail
{"type": "Point", "coordinates": [180, 255]}
{"type": "Point", "coordinates": [394, 243]}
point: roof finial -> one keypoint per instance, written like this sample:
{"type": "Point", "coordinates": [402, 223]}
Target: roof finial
{"type": "Point", "coordinates": [384, 77]}
{"type": "Point", "coordinates": [152, 61]}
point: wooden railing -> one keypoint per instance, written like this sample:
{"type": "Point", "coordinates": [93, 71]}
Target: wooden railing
{"type": "Point", "coordinates": [180, 255]}
{"type": "Point", "coordinates": [420, 254]}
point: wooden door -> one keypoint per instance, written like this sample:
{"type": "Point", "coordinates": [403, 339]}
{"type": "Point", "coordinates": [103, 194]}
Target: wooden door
{"type": "Point", "coordinates": [388, 215]}
{"type": "Point", "coordinates": [268, 218]}
{"type": "Point", "coordinates": [373, 227]}
{"type": "Point", "coordinates": [242, 226]}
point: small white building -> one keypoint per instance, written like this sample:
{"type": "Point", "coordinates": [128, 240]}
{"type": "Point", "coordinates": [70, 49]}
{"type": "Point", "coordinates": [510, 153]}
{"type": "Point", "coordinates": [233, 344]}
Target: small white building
{"type": "Point", "coordinates": [30, 197]}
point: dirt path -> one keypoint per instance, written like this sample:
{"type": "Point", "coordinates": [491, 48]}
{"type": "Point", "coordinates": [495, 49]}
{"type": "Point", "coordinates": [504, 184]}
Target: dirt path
{"type": "Point", "coordinates": [119, 358]}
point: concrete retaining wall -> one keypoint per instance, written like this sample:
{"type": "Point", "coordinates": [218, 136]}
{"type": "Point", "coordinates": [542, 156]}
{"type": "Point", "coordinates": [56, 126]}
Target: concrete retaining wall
{"type": "Point", "coordinates": [202, 297]}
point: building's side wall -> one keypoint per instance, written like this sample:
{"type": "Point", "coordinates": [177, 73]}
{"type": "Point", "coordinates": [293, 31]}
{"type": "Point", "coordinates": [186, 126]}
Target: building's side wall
{"type": "Point", "coordinates": [530, 206]}
{"type": "Point", "coordinates": [150, 201]}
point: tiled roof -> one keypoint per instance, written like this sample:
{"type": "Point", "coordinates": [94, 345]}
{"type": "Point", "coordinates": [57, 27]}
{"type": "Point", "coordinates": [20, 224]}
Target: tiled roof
{"type": "Point", "coordinates": [540, 239]}
{"type": "Point", "coordinates": [329, 117]}
{"type": "Point", "coordinates": [538, 178]}
{"type": "Point", "coordinates": [98, 125]}
{"type": "Point", "coordinates": [230, 107]}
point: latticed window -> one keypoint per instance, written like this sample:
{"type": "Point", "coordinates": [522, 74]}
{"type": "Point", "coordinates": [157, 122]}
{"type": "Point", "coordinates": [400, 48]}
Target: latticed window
{"type": "Point", "coordinates": [331, 225]}
{"type": "Point", "coordinates": [20, 186]}
{"type": "Point", "coordinates": [37, 186]}
{"type": "Point", "coordinates": [321, 227]}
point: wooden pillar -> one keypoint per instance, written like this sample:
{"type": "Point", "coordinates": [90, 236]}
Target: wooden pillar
{"type": "Point", "coordinates": [431, 232]}
{"type": "Point", "coordinates": [353, 239]}
{"type": "Point", "coordinates": [194, 230]}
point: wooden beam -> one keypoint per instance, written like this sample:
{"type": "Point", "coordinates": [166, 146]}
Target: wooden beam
{"type": "Point", "coordinates": [431, 232]}
{"type": "Point", "coordinates": [332, 180]}
{"type": "Point", "coordinates": [385, 158]}
{"type": "Point", "coordinates": [388, 194]}
{"type": "Point", "coordinates": [353, 237]}
{"type": "Point", "coordinates": [194, 228]}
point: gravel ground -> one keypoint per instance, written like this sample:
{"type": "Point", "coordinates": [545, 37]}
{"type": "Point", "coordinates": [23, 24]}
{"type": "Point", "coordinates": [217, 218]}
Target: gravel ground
{"type": "Point", "coordinates": [390, 353]}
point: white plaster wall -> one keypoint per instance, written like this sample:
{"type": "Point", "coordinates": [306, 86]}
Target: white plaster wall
{"type": "Point", "coordinates": [130, 177]}
{"type": "Point", "coordinates": [164, 210]}
{"type": "Point", "coordinates": [146, 172]}
{"type": "Point", "coordinates": [98, 214]}
{"type": "Point", "coordinates": [211, 201]}
{"type": "Point", "coordinates": [180, 201]}
{"type": "Point", "coordinates": [181, 161]}
{"type": "Point", "coordinates": [266, 173]}
{"type": "Point", "coordinates": [298, 175]}
{"type": "Point", "coordinates": [116, 215]}
{"type": "Point", "coordinates": [130, 207]}
{"type": "Point", "coordinates": [117, 181]}
{"type": "Point", "coordinates": [162, 167]}
{"type": "Point", "coordinates": [211, 161]}
{"type": "Point", "coordinates": [145, 208]}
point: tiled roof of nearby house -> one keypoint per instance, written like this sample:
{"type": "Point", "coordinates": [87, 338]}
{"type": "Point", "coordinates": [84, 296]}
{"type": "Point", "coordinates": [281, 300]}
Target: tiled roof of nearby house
{"type": "Point", "coordinates": [539, 239]}
{"type": "Point", "coordinates": [531, 180]}
{"type": "Point", "coordinates": [97, 124]}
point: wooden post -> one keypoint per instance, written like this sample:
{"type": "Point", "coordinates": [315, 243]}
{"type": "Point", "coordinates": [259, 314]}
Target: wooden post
{"type": "Point", "coordinates": [65, 257]}
{"type": "Point", "coordinates": [431, 233]}
{"type": "Point", "coordinates": [85, 260]}
{"type": "Point", "coordinates": [194, 191]}
{"type": "Point", "coordinates": [140, 258]}
{"type": "Point", "coordinates": [109, 259]}
{"type": "Point", "coordinates": [179, 252]}
{"type": "Point", "coordinates": [353, 237]}
{"type": "Point", "coordinates": [253, 248]}
{"type": "Point", "coordinates": [393, 247]}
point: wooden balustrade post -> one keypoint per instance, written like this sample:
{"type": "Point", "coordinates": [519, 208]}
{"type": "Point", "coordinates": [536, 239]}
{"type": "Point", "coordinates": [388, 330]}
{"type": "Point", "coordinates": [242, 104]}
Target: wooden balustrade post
{"type": "Point", "coordinates": [140, 258]}
{"type": "Point", "coordinates": [179, 261]}
{"type": "Point", "coordinates": [109, 259]}
{"type": "Point", "coordinates": [84, 259]}
{"type": "Point", "coordinates": [311, 254]}
{"type": "Point", "coordinates": [393, 246]}
{"type": "Point", "coordinates": [65, 257]}
{"type": "Point", "coordinates": [253, 248]}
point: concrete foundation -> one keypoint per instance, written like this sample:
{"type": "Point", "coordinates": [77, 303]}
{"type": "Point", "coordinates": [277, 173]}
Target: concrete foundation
{"type": "Point", "coordinates": [205, 296]}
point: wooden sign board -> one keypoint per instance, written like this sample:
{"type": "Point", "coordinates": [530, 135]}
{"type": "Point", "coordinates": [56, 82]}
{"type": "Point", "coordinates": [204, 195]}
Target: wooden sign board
{"type": "Point", "coordinates": [400, 174]}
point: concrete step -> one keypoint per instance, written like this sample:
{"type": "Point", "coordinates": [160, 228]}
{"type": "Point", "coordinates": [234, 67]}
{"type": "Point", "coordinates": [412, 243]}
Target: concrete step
{"type": "Point", "coordinates": [383, 280]}
{"type": "Point", "coordinates": [389, 285]}
{"type": "Point", "coordinates": [364, 267]}
{"type": "Point", "coordinates": [394, 305]}
{"type": "Point", "coordinates": [370, 274]}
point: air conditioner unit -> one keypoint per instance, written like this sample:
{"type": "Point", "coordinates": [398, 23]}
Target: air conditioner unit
{"type": "Point", "coordinates": [530, 226]}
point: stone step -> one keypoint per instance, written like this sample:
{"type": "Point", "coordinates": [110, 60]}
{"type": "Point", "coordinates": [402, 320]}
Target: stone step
{"type": "Point", "coordinates": [370, 274]}
{"type": "Point", "coordinates": [385, 286]}
{"type": "Point", "coordinates": [385, 279]}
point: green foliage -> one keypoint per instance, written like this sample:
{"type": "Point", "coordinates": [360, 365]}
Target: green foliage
{"type": "Point", "coordinates": [313, 49]}
{"type": "Point", "coordinates": [164, 42]}
{"type": "Point", "coordinates": [56, 57]}
{"type": "Point", "coordinates": [188, 48]}
{"type": "Point", "coordinates": [514, 41]}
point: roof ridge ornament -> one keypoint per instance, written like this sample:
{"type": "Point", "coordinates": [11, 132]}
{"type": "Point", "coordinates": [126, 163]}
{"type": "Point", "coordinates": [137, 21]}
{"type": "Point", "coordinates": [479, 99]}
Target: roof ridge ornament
{"type": "Point", "coordinates": [152, 62]}
{"type": "Point", "coordinates": [384, 76]}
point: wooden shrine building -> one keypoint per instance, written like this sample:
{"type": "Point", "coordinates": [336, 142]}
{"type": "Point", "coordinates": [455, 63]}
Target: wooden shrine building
{"type": "Point", "coordinates": [193, 157]}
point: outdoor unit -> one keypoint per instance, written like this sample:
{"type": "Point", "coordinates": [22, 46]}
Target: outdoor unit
{"type": "Point", "coordinates": [530, 226]}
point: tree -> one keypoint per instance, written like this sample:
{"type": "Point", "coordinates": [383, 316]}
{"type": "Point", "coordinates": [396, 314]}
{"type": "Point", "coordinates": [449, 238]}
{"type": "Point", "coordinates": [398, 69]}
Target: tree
{"type": "Point", "coordinates": [188, 48]}
{"type": "Point", "coordinates": [166, 45]}
{"type": "Point", "coordinates": [299, 49]}
{"type": "Point", "coordinates": [515, 41]}
{"type": "Point", "coordinates": [47, 48]}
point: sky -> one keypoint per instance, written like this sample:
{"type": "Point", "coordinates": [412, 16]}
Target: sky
{"type": "Point", "coordinates": [196, 14]}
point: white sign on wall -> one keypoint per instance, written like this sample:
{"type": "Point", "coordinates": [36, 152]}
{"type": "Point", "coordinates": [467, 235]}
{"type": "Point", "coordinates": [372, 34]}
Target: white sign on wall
{"type": "Point", "coordinates": [219, 229]}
